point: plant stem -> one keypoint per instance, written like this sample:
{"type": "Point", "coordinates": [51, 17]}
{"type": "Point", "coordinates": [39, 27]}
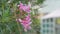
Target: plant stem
{"type": "Point", "coordinates": [18, 27]}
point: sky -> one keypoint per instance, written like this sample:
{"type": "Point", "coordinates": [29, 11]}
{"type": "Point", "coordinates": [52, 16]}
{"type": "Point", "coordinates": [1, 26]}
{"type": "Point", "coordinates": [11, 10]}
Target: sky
{"type": "Point", "coordinates": [51, 5]}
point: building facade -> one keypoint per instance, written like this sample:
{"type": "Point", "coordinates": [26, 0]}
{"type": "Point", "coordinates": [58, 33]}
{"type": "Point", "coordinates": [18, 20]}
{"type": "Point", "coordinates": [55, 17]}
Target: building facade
{"type": "Point", "coordinates": [47, 26]}
{"type": "Point", "coordinates": [50, 24]}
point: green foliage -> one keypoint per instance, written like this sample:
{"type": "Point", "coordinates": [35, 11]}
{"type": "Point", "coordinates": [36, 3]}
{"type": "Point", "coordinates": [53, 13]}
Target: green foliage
{"type": "Point", "coordinates": [40, 1]}
{"type": "Point", "coordinates": [35, 23]}
{"type": "Point", "coordinates": [8, 24]}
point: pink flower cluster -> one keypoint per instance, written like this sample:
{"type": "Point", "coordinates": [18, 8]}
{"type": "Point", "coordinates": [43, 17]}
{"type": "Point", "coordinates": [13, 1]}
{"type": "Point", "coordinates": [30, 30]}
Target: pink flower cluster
{"type": "Point", "coordinates": [27, 20]}
{"type": "Point", "coordinates": [25, 8]}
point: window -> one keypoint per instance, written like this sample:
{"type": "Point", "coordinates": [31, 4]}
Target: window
{"type": "Point", "coordinates": [51, 25]}
{"type": "Point", "coordinates": [44, 21]}
{"type": "Point", "coordinates": [51, 19]}
{"type": "Point", "coordinates": [47, 31]}
{"type": "Point", "coordinates": [47, 20]}
{"type": "Point", "coordinates": [46, 25]}
{"type": "Point", "coordinates": [51, 31]}
{"type": "Point", "coordinates": [44, 31]}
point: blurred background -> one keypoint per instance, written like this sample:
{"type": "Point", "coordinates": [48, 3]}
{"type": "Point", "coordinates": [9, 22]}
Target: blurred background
{"type": "Point", "coordinates": [39, 8]}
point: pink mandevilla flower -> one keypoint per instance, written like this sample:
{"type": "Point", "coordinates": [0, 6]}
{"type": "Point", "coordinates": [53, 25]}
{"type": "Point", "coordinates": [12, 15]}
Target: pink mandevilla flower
{"type": "Point", "coordinates": [26, 23]}
{"type": "Point", "coordinates": [27, 20]}
{"type": "Point", "coordinates": [25, 8]}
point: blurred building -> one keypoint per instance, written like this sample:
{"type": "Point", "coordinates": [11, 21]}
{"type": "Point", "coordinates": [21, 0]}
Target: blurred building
{"type": "Point", "coordinates": [50, 24]}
